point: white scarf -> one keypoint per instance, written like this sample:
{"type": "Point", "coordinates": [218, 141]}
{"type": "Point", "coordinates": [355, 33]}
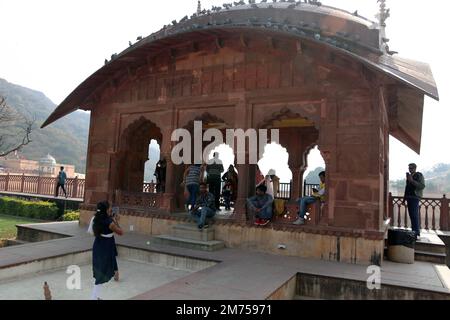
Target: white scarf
{"type": "Point", "coordinates": [90, 229]}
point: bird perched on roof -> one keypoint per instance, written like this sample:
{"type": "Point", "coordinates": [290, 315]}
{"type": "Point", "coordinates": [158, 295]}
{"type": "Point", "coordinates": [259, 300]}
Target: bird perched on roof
{"type": "Point", "coordinates": [389, 52]}
{"type": "Point", "coordinates": [106, 61]}
{"type": "Point", "coordinates": [174, 22]}
{"type": "Point", "coordinates": [184, 19]}
{"type": "Point", "coordinates": [355, 13]}
{"type": "Point", "coordinates": [130, 44]}
{"type": "Point", "coordinates": [139, 38]}
{"type": "Point", "coordinates": [227, 5]}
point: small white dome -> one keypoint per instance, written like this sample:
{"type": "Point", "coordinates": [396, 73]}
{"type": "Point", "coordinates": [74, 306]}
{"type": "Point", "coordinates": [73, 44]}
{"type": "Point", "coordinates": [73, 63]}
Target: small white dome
{"type": "Point", "coordinates": [47, 160]}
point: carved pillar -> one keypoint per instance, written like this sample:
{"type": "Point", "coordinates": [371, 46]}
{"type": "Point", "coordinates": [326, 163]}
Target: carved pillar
{"type": "Point", "coordinates": [296, 185]}
{"type": "Point", "coordinates": [243, 187]}
{"type": "Point", "coordinates": [116, 176]}
{"type": "Point", "coordinates": [169, 194]}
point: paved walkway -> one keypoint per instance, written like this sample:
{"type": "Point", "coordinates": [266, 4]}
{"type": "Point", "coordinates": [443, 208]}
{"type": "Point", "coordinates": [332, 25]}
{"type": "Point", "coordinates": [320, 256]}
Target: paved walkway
{"type": "Point", "coordinates": [241, 274]}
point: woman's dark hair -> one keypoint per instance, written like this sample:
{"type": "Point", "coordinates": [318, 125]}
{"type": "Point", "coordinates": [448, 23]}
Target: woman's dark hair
{"type": "Point", "coordinates": [100, 216]}
{"type": "Point", "coordinates": [322, 173]}
{"type": "Point", "coordinates": [262, 187]}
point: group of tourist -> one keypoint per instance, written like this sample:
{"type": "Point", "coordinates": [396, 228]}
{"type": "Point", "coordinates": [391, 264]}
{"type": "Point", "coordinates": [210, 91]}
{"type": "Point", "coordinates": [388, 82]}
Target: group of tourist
{"type": "Point", "coordinates": [203, 205]}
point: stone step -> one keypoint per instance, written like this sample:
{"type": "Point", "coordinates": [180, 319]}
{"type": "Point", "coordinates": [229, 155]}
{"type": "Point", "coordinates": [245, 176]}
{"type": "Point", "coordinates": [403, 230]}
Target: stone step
{"type": "Point", "coordinates": [427, 256]}
{"type": "Point", "coordinates": [15, 242]}
{"type": "Point", "coordinates": [191, 231]}
{"type": "Point", "coordinates": [189, 243]}
{"type": "Point", "coordinates": [430, 247]}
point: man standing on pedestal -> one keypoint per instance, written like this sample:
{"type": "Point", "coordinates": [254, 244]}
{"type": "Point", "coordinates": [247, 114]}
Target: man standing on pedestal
{"type": "Point", "coordinates": [415, 183]}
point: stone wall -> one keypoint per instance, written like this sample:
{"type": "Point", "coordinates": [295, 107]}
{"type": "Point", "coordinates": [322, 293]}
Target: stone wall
{"type": "Point", "coordinates": [347, 249]}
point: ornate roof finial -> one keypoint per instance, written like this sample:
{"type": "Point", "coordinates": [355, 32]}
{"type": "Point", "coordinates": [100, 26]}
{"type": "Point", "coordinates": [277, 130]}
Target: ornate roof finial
{"type": "Point", "coordinates": [199, 8]}
{"type": "Point", "coordinates": [382, 16]}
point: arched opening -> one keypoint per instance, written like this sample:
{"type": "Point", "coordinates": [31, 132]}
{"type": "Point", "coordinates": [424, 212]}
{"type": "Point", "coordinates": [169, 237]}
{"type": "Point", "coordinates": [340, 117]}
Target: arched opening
{"type": "Point", "coordinates": [229, 177]}
{"type": "Point", "coordinates": [154, 169]}
{"type": "Point", "coordinates": [275, 162]}
{"type": "Point", "coordinates": [208, 121]}
{"type": "Point", "coordinates": [296, 134]}
{"type": "Point", "coordinates": [135, 152]}
{"type": "Point", "coordinates": [313, 165]}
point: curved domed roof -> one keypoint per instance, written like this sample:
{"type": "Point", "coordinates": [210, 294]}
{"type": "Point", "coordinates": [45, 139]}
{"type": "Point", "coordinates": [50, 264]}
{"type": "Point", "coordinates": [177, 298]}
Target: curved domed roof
{"type": "Point", "coordinates": [343, 31]}
{"type": "Point", "coordinates": [47, 160]}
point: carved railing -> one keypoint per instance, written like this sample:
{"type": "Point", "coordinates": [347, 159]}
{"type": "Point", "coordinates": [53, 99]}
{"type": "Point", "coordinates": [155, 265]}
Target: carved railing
{"type": "Point", "coordinates": [149, 187]}
{"type": "Point", "coordinates": [307, 188]}
{"type": "Point", "coordinates": [434, 213]}
{"type": "Point", "coordinates": [20, 183]}
{"type": "Point", "coordinates": [284, 192]}
{"type": "Point", "coordinates": [144, 200]}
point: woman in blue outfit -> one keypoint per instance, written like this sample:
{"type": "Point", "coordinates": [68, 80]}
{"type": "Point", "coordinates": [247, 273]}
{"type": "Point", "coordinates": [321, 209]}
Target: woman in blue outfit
{"type": "Point", "coordinates": [104, 251]}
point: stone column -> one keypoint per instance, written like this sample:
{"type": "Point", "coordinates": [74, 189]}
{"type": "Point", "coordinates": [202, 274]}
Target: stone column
{"type": "Point", "coordinates": [169, 194]}
{"type": "Point", "coordinates": [243, 183]}
{"type": "Point", "coordinates": [296, 185]}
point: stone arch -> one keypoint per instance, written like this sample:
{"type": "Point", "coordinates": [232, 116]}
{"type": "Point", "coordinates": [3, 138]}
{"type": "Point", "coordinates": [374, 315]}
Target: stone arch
{"type": "Point", "coordinates": [208, 118]}
{"type": "Point", "coordinates": [306, 153]}
{"type": "Point", "coordinates": [133, 153]}
{"type": "Point", "coordinates": [286, 113]}
{"type": "Point", "coordinates": [140, 126]}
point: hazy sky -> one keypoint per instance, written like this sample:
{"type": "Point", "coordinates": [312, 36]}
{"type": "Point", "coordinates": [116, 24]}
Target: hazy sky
{"type": "Point", "coordinates": [52, 46]}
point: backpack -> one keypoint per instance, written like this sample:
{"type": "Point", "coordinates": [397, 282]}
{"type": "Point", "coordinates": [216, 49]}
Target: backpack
{"type": "Point", "coordinates": [278, 206]}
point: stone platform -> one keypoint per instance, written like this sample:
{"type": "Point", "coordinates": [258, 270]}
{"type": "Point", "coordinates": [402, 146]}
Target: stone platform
{"type": "Point", "coordinates": [306, 241]}
{"type": "Point", "coordinates": [245, 274]}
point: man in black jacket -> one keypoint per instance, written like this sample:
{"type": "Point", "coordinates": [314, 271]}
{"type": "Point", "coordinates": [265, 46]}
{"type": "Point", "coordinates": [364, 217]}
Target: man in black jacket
{"type": "Point", "coordinates": [415, 183]}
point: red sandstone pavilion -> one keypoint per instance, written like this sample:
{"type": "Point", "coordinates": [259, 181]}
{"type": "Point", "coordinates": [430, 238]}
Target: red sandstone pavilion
{"type": "Point", "coordinates": [322, 76]}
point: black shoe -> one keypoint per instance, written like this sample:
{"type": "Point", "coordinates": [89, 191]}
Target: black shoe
{"type": "Point", "coordinates": [200, 226]}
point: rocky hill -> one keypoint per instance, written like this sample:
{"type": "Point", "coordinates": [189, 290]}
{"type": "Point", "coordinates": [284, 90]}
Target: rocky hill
{"type": "Point", "coordinates": [66, 139]}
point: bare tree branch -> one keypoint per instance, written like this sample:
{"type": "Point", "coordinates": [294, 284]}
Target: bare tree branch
{"type": "Point", "coordinates": [15, 129]}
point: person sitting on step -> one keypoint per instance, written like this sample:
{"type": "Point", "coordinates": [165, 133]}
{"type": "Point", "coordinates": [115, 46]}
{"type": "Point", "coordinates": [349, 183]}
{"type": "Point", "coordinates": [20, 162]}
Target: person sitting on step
{"type": "Point", "coordinates": [304, 201]}
{"type": "Point", "coordinates": [205, 207]}
{"type": "Point", "coordinates": [261, 205]}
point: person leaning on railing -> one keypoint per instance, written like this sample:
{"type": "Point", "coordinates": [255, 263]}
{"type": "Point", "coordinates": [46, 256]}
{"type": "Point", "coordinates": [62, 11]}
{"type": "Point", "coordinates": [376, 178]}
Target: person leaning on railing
{"type": "Point", "coordinates": [318, 194]}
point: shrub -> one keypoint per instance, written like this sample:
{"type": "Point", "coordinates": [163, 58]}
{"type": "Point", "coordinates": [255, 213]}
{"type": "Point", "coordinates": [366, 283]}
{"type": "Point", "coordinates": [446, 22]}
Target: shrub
{"type": "Point", "coordinates": [71, 216]}
{"type": "Point", "coordinates": [30, 209]}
